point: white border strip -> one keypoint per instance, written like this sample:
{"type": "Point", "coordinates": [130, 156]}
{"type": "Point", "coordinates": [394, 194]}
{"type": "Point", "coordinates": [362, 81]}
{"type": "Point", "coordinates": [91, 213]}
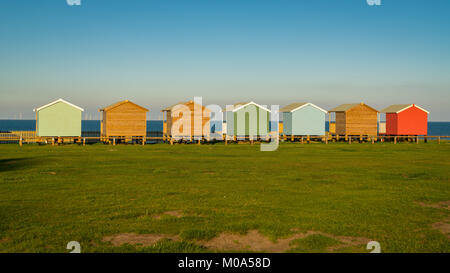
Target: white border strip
{"type": "Point", "coordinates": [411, 105]}
{"type": "Point", "coordinates": [242, 106]}
{"type": "Point", "coordinates": [56, 101]}
{"type": "Point", "coordinates": [313, 105]}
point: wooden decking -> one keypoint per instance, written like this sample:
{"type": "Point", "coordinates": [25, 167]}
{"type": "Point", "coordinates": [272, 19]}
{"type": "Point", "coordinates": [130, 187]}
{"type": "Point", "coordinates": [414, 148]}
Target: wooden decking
{"type": "Point", "coordinates": [23, 137]}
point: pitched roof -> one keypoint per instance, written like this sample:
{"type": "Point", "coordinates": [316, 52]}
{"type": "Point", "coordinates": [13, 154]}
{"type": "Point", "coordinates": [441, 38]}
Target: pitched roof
{"type": "Point", "coordinates": [346, 107]}
{"type": "Point", "coordinates": [397, 108]}
{"type": "Point", "coordinates": [172, 106]}
{"type": "Point", "coordinates": [114, 105]}
{"type": "Point", "coordinates": [241, 103]}
{"type": "Point", "coordinates": [181, 103]}
{"type": "Point", "coordinates": [237, 106]}
{"type": "Point", "coordinates": [292, 106]}
{"type": "Point", "coordinates": [56, 101]}
{"type": "Point", "coordinates": [298, 105]}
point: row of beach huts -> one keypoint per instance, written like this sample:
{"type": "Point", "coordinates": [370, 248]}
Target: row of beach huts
{"type": "Point", "coordinates": [127, 119]}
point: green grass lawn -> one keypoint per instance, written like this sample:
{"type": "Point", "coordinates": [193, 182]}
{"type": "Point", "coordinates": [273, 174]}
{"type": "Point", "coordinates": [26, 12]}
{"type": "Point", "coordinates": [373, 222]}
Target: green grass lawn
{"type": "Point", "coordinates": [191, 195]}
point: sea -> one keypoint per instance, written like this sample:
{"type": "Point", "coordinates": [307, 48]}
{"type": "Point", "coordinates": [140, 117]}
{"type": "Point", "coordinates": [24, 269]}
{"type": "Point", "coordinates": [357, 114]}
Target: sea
{"type": "Point", "coordinates": [155, 127]}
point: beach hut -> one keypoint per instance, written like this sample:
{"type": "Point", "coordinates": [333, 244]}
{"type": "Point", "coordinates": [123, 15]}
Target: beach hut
{"type": "Point", "coordinates": [247, 119]}
{"type": "Point", "coordinates": [303, 119]}
{"type": "Point", "coordinates": [355, 119]}
{"type": "Point", "coordinates": [58, 119]}
{"type": "Point", "coordinates": [124, 119]}
{"type": "Point", "coordinates": [199, 120]}
{"type": "Point", "coordinates": [406, 119]}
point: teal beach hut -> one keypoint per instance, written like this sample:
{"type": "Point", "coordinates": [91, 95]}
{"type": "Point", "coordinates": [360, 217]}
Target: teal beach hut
{"type": "Point", "coordinates": [247, 119]}
{"type": "Point", "coordinates": [303, 119]}
{"type": "Point", "coordinates": [58, 119]}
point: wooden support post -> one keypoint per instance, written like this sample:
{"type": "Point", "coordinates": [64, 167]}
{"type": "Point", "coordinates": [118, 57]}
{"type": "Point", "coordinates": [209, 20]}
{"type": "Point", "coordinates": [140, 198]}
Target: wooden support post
{"type": "Point", "coordinates": [373, 140]}
{"type": "Point", "coordinates": [302, 139]}
{"type": "Point", "coordinates": [171, 141]}
{"type": "Point", "coordinates": [143, 141]}
{"type": "Point", "coordinates": [417, 139]}
{"type": "Point", "coordinates": [114, 141]}
{"type": "Point", "coordinates": [199, 141]}
{"type": "Point", "coordinates": [349, 139]}
{"type": "Point", "coordinates": [84, 141]}
{"type": "Point", "coordinates": [53, 141]}
{"type": "Point", "coordinates": [326, 138]}
{"type": "Point", "coordinates": [439, 140]}
{"type": "Point", "coordinates": [395, 140]}
{"type": "Point", "coordinates": [20, 140]}
{"type": "Point", "coordinates": [251, 140]}
{"type": "Point", "coordinates": [337, 138]}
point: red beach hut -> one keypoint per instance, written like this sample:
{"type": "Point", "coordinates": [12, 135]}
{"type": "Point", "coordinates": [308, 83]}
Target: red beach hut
{"type": "Point", "coordinates": [406, 119]}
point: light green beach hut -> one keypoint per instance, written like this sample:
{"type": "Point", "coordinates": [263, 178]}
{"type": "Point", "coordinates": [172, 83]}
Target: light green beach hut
{"type": "Point", "coordinates": [247, 119]}
{"type": "Point", "coordinates": [303, 119]}
{"type": "Point", "coordinates": [58, 119]}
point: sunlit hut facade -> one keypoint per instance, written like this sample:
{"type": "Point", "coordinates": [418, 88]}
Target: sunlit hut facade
{"type": "Point", "coordinates": [247, 119]}
{"type": "Point", "coordinates": [58, 119]}
{"type": "Point", "coordinates": [355, 119]}
{"type": "Point", "coordinates": [405, 119]}
{"type": "Point", "coordinates": [303, 119]}
{"type": "Point", "coordinates": [195, 125]}
{"type": "Point", "coordinates": [124, 119]}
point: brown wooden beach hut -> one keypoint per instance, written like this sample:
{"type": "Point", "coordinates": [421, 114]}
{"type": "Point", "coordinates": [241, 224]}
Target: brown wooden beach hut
{"type": "Point", "coordinates": [124, 119]}
{"type": "Point", "coordinates": [198, 113]}
{"type": "Point", "coordinates": [355, 119]}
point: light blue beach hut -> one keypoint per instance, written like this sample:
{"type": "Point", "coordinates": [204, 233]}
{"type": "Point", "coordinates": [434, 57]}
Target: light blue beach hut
{"type": "Point", "coordinates": [303, 119]}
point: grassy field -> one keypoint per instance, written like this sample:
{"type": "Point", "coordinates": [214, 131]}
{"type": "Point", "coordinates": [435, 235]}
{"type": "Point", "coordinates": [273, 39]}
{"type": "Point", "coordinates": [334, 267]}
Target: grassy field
{"type": "Point", "coordinates": [190, 198]}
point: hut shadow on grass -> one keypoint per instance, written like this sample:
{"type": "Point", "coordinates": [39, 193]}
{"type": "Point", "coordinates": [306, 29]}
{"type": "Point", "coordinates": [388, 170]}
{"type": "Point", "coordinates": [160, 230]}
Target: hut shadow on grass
{"type": "Point", "coordinates": [12, 164]}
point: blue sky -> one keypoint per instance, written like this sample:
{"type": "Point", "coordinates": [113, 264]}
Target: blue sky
{"type": "Point", "coordinates": [159, 52]}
